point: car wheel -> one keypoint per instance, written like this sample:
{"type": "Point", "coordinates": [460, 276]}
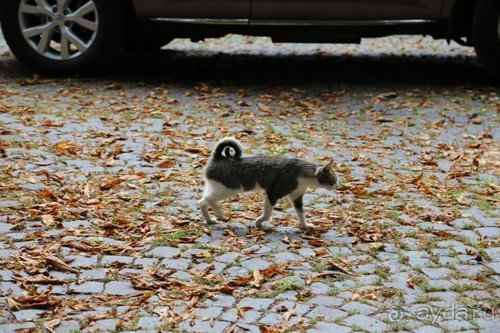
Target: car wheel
{"type": "Point", "coordinates": [486, 35]}
{"type": "Point", "coordinates": [61, 37]}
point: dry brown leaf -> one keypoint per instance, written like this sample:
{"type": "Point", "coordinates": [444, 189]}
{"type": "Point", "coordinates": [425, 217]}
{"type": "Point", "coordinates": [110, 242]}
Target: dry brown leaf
{"type": "Point", "coordinates": [289, 313]}
{"type": "Point", "coordinates": [48, 220]}
{"type": "Point", "coordinates": [320, 252]}
{"type": "Point", "coordinates": [66, 148]}
{"type": "Point", "coordinates": [58, 264]}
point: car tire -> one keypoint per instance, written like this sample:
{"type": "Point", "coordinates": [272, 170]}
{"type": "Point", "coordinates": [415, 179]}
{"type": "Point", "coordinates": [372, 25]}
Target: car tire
{"type": "Point", "coordinates": [80, 39]}
{"type": "Point", "coordinates": [486, 35]}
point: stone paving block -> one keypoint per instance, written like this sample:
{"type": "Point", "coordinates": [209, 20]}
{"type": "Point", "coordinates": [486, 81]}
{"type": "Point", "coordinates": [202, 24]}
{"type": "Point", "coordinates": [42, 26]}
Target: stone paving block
{"type": "Point", "coordinates": [255, 263]}
{"type": "Point", "coordinates": [469, 271]}
{"type": "Point", "coordinates": [290, 295]}
{"type": "Point", "coordinates": [488, 324]}
{"type": "Point", "coordinates": [108, 325]}
{"type": "Point", "coordinates": [320, 288]}
{"type": "Point", "coordinates": [225, 301]}
{"type": "Point", "coordinates": [456, 325]}
{"type": "Point", "coordinates": [251, 316]}
{"type": "Point", "coordinates": [148, 323]}
{"type": "Point", "coordinates": [56, 289]}
{"type": "Point", "coordinates": [256, 303]}
{"type": "Point", "coordinates": [204, 326]}
{"type": "Point", "coordinates": [271, 318]}
{"type": "Point", "coordinates": [5, 227]}
{"type": "Point", "coordinates": [366, 323]}
{"type": "Point", "coordinates": [248, 328]}
{"type": "Point", "coordinates": [6, 275]}
{"type": "Point", "coordinates": [9, 328]}
{"type": "Point", "coordinates": [93, 274]}
{"type": "Point", "coordinates": [495, 266]}
{"type": "Point", "coordinates": [164, 252]}
{"type": "Point", "coordinates": [119, 288]}
{"type": "Point", "coordinates": [5, 253]}
{"type": "Point", "coordinates": [325, 327]}
{"type": "Point", "coordinates": [76, 224]}
{"type": "Point", "coordinates": [327, 313]}
{"type": "Point", "coordinates": [237, 271]}
{"type": "Point", "coordinates": [208, 312]}
{"type": "Point", "coordinates": [182, 276]}
{"type": "Point", "coordinates": [436, 273]}
{"type": "Point", "coordinates": [327, 301]}
{"type": "Point", "coordinates": [109, 260]}
{"type": "Point", "coordinates": [90, 287]}
{"type": "Point", "coordinates": [493, 253]}
{"type": "Point", "coordinates": [448, 261]}
{"type": "Point", "coordinates": [428, 329]}
{"type": "Point", "coordinates": [10, 286]}
{"type": "Point", "coordinates": [180, 264]}
{"type": "Point", "coordinates": [306, 252]}
{"type": "Point", "coordinates": [227, 257]}
{"type": "Point", "coordinates": [286, 256]}
{"type": "Point", "coordinates": [28, 314]}
{"type": "Point", "coordinates": [356, 307]}
{"type": "Point", "coordinates": [68, 326]}
{"type": "Point", "coordinates": [489, 232]}
{"type": "Point", "coordinates": [300, 308]}
{"type": "Point", "coordinates": [82, 261]}
{"type": "Point", "coordinates": [229, 315]}
{"type": "Point", "coordinates": [145, 262]}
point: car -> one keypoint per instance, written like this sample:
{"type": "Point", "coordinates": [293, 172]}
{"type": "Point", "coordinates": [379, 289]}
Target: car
{"type": "Point", "coordinates": [61, 37]}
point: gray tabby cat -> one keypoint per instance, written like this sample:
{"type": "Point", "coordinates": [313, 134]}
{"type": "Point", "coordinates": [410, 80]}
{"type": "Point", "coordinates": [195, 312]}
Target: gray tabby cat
{"type": "Point", "coordinates": [227, 175]}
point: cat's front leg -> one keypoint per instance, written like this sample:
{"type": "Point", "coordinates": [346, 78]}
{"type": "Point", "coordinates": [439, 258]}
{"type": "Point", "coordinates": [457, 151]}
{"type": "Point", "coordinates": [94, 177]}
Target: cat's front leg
{"type": "Point", "coordinates": [217, 210]}
{"type": "Point", "coordinates": [299, 209]}
{"type": "Point", "coordinates": [203, 204]}
{"type": "Point", "coordinates": [266, 214]}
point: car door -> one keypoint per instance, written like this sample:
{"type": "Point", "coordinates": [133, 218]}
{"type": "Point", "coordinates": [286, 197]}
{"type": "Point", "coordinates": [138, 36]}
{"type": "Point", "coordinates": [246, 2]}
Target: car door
{"type": "Point", "coordinates": [236, 10]}
{"type": "Point", "coordinates": [312, 11]}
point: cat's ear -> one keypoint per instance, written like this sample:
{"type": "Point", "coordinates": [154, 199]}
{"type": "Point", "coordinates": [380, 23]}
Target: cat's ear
{"type": "Point", "coordinates": [327, 168]}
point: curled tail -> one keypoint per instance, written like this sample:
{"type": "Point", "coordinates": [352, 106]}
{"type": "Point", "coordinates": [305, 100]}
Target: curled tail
{"type": "Point", "coordinates": [223, 147]}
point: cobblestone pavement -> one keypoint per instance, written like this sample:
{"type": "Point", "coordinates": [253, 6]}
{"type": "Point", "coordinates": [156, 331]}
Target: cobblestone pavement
{"type": "Point", "coordinates": [99, 229]}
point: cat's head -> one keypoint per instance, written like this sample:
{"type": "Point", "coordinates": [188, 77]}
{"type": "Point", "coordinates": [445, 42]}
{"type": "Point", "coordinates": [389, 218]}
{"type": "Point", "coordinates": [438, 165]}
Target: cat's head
{"type": "Point", "coordinates": [326, 176]}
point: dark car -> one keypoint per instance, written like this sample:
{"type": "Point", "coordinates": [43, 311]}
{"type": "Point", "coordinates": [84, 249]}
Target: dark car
{"type": "Point", "coordinates": [75, 36]}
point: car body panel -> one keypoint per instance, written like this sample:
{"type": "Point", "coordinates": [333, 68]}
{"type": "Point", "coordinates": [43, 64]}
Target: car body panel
{"type": "Point", "coordinates": [311, 10]}
{"type": "Point", "coordinates": [213, 9]}
{"type": "Point", "coordinates": [447, 9]}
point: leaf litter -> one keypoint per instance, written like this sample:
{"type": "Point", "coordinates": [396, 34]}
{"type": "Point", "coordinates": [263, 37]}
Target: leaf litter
{"type": "Point", "coordinates": [132, 173]}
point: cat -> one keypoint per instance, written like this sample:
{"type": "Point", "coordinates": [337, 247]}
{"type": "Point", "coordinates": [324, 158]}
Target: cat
{"type": "Point", "coordinates": [229, 174]}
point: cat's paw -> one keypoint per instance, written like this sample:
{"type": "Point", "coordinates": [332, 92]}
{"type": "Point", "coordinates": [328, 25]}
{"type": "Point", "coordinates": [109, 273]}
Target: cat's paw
{"type": "Point", "coordinates": [212, 221]}
{"type": "Point", "coordinates": [263, 226]}
{"type": "Point", "coordinates": [308, 225]}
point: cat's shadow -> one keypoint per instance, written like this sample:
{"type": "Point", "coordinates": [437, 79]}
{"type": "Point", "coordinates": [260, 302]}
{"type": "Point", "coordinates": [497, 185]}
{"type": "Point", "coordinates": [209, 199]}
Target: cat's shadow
{"type": "Point", "coordinates": [243, 229]}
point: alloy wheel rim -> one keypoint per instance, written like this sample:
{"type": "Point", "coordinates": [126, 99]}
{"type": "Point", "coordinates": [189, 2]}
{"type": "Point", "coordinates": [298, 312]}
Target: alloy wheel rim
{"type": "Point", "coordinates": [59, 29]}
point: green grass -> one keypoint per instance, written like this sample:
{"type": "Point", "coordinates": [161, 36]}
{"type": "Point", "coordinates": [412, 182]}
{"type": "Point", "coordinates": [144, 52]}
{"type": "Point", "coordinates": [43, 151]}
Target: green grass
{"type": "Point", "coordinates": [485, 181]}
{"type": "Point", "coordinates": [425, 287]}
{"type": "Point", "coordinates": [282, 286]}
{"type": "Point", "coordinates": [382, 272]}
{"type": "Point", "coordinates": [168, 238]}
{"type": "Point", "coordinates": [483, 204]}
{"type": "Point", "coordinates": [459, 288]}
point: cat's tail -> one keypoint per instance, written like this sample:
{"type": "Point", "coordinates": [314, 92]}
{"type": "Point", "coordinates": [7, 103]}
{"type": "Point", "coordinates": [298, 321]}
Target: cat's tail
{"type": "Point", "coordinates": [223, 147]}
